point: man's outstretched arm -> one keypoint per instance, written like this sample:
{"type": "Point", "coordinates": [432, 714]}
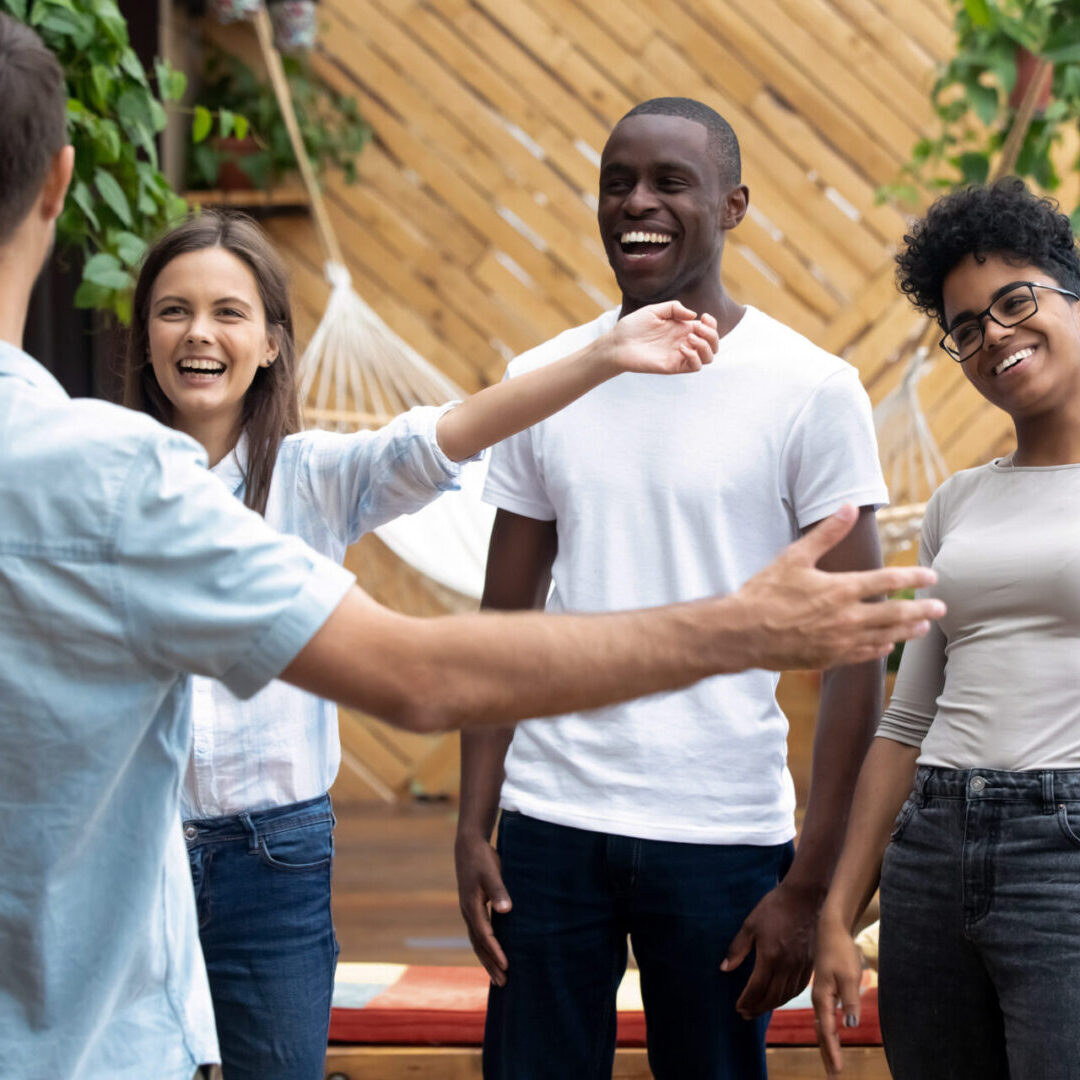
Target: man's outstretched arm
{"type": "Point", "coordinates": [489, 668]}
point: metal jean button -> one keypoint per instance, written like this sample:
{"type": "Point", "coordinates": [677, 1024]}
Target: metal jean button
{"type": "Point", "coordinates": [190, 832]}
{"type": "Point", "coordinates": [977, 783]}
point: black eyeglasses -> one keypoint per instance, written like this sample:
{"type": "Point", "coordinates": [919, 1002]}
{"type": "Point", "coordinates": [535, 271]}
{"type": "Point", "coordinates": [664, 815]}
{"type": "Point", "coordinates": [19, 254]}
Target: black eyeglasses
{"type": "Point", "coordinates": [965, 339]}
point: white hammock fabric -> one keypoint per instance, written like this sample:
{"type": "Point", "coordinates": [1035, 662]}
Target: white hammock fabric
{"type": "Point", "coordinates": [356, 372]}
{"type": "Point", "coordinates": [910, 458]}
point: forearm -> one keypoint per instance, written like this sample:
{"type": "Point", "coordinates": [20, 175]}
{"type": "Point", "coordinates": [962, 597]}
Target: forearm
{"type": "Point", "coordinates": [884, 783]}
{"type": "Point", "coordinates": [508, 407]}
{"type": "Point", "coordinates": [851, 702]}
{"type": "Point", "coordinates": [482, 756]}
{"type": "Point", "coordinates": [493, 669]}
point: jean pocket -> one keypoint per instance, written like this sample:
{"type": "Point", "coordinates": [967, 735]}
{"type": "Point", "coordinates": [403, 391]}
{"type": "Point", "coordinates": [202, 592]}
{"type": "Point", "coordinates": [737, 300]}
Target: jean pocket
{"type": "Point", "coordinates": [1068, 815]}
{"type": "Point", "coordinates": [306, 848]}
{"type": "Point", "coordinates": [903, 819]}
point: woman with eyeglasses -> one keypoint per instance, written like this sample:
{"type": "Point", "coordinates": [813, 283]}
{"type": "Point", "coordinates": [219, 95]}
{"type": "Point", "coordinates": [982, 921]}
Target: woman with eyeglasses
{"type": "Point", "coordinates": [968, 803]}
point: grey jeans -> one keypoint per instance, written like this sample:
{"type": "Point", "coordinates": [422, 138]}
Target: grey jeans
{"type": "Point", "coordinates": [980, 928]}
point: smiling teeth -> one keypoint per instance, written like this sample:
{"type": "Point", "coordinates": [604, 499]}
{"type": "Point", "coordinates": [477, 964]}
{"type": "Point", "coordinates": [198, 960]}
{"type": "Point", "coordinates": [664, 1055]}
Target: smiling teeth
{"type": "Point", "coordinates": [645, 238]}
{"type": "Point", "coordinates": [1012, 360]}
{"type": "Point", "coordinates": [202, 365]}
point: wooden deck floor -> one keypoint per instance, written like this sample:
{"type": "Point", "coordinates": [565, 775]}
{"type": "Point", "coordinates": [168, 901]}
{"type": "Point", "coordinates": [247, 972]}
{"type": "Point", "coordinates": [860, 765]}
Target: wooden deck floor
{"type": "Point", "coordinates": [394, 895]}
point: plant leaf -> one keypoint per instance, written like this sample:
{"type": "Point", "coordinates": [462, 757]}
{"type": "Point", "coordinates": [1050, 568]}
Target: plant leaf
{"type": "Point", "coordinates": [240, 125]}
{"type": "Point", "coordinates": [226, 121]}
{"type": "Point", "coordinates": [114, 196]}
{"type": "Point", "coordinates": [978, 12]}
{"type": "Point", "coordinates": [974, 167]}
{"type": "Point", "coordinates": [80, 193]}
{"type": "Point", "coordinates": [90, 294]}
{"type": "Point", "coordinates": [201, 123]}
{"type": "Point", "coordinates": [984, 100]}
{"type": "Point", "coordinates": [105, 270]}
{"type": "Point", "coordinates": [129, 247]}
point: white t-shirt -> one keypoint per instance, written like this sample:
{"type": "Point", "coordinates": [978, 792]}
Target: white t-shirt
{"type": "Point", "coordinates": [996, 683]}
{"type": "Point", "coordinates": [675, 488]}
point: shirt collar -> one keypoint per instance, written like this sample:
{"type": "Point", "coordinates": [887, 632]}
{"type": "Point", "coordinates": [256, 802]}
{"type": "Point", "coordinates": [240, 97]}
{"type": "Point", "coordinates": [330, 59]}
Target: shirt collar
{"type": "Point", "coordinates": [230, 469]}
{"type": "Point", "coordinates": [15, 363]}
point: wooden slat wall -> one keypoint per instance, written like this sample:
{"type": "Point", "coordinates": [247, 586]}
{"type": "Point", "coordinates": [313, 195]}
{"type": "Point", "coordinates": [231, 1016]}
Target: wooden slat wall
{"type": "Point", "coordinates": [472, 230]}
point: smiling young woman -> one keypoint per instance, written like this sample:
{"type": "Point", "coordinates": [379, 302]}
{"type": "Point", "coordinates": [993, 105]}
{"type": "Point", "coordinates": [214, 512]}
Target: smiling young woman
{"type": "Point", "coordinates": [968, 804]}
{"type": "Point", "coordinates": [211, 353]}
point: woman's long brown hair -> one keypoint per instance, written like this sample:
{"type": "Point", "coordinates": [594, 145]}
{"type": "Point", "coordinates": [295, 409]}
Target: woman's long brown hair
{"type": "Point", "coordinates": [271, 410]}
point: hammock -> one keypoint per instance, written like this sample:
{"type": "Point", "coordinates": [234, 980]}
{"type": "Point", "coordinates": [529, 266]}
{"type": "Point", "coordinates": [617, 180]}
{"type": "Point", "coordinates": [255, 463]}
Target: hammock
{"type": "Point", "coordinates": [910, 458]}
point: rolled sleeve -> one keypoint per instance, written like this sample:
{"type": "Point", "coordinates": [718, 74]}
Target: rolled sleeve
{"type": "Point", "coordinates": [205, 585]}
{"type": "Point", "coordinates": [363, 480]}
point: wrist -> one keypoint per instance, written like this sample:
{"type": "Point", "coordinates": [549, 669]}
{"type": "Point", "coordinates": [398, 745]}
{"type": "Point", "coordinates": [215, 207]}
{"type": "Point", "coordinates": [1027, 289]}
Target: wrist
{"type": "Point", "coordinates": [469, 834]}
{"type": "Point", "coordinates": [731, 635]}
{"type": "Point", "coordinates": [601, 358]}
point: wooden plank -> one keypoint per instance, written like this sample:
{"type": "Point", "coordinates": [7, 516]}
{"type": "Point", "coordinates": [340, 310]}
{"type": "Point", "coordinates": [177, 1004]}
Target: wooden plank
{"type": "Point", "coordinates": [888, 129]}
{"type": "Point", "coordinates": [928, 23]}
{"type": "Point", "coordinates": [463, 1063]}
{"type": "Point", "coordinates": [847, 41]}
{"type": "Point", "coordinates": [440, 175]}
{"type": "Point", "coordinates": [444, 91]}
{"type": "Point", "coordinates": [476, 70]}
{"type": "Point", "coordinates": [906, 51]}
{"type": "Point", "coordinates": [800, 91]}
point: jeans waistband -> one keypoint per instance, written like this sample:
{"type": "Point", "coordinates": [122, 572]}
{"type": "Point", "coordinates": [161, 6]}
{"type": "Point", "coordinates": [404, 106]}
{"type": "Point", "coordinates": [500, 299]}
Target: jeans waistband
{"type": "Point", "coordinates": [260, 822]}
{"type": "Point", "coordinates": [1040, 787]}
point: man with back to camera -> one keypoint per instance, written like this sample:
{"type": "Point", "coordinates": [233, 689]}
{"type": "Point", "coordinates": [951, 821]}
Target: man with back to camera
{"type": "Point", "coordinates": [668, 819]}
{"type": "Point", "coordinates": [125, 565]}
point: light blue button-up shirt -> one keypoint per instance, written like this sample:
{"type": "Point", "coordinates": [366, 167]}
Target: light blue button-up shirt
{"type": "Point", "coordinates": [123, 564]}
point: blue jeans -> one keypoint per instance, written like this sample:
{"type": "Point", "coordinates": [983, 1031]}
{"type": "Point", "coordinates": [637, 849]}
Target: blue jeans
{"type": "Point", "coordinates": [577, 895]}
{"type": "Point", "coordinates": [980, 928]}
{"type": "Point", "coordinates": [262, 891]}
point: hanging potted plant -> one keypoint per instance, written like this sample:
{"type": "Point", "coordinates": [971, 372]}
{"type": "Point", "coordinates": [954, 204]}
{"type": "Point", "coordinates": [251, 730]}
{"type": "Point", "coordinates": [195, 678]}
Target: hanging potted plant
{"type": "Point", "coordinates": [1002, 47]}
{"type": "Point", "coordinates": [252, 146]}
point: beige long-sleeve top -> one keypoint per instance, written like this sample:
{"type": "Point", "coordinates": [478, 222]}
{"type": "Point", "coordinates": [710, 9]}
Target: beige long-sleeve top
{"type": "Point", "coordinates": [996, 683]}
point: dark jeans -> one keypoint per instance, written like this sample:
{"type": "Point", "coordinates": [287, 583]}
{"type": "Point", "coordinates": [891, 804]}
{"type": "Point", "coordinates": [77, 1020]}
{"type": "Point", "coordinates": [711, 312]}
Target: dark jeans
{"type": "Point", "coordinates": [577, 895]}
{"type": "Point", "coordinates": [262, 891]}
{"type": "Point", "coordinates": [980, 928]}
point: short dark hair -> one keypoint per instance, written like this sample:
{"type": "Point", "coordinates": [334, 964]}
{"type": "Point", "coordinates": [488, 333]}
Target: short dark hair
{"type": "Point", "coordinates": [33, 120]}
{"type": "Point", "coordinates": [723, 142]}
{"type": "Point", "coordinates": [1002, 218]}
{"type": "Point", "coordinates": [271, 408]}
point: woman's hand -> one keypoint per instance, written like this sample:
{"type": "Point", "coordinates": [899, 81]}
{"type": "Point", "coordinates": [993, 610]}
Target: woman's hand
{"type": "Point", "coordinates": [664, 339]}
{"type": "Point", "coordinates": [837, 977]}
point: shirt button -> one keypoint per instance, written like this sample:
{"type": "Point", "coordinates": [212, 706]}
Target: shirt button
{"type": "Point", "coordinates": [190, 832]}
{"type": "Point", "coordinates": [977, 783]}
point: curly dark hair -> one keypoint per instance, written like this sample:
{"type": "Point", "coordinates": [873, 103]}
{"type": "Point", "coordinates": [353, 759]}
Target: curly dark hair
{"type": "Point", "coordinates": [1002, 218]}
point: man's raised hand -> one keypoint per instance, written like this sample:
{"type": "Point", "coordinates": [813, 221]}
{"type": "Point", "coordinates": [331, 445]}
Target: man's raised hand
{"type": "Point", "coordinates": [802, 617]}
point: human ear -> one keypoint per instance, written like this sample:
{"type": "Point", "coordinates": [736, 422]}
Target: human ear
{"type": "Point", "coordinates": [56, 183]}
{"type": "Point", "coordinates": [733, 209]}
{"type": "Point", "coordinates": [273, 349]}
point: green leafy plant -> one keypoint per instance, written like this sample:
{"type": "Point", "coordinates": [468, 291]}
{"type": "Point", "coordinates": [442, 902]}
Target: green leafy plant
{"type": "Point", "coordinates": [330, 124]}
{"type": "Point", "coordinates": [118, 195]}
{"type": "Point", "coordinates": [975, 96]}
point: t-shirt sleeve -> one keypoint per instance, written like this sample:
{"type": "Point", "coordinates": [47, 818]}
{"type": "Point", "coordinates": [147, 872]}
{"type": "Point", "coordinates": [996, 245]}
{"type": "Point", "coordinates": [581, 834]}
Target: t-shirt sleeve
{"type": "Point", "coordinates": [830, 457]}
{"type": "Point", "coordinates": [921, 677]}
{"type": "Point", "coordinates": [205, 585]}
{"type": "Point", "coordinates": [514, 480]}
{"type": "Point", "coordinates": [363, 480]}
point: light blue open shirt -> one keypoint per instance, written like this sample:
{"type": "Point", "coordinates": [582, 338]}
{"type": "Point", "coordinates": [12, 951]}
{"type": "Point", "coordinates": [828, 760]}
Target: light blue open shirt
{"type": "Point", "coordinates": [123, 564]}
